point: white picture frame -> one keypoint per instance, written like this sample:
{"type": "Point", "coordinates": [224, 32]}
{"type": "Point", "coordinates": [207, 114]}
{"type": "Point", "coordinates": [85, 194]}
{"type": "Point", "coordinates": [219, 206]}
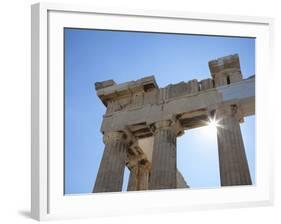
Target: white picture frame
{"type": "Point", "coordinates": [47, 198]}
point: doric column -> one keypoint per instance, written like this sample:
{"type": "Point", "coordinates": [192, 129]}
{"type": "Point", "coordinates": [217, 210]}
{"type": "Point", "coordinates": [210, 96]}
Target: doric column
{"type": "Point", "coordinates": [139, 167]}
{"type": "Point", "coordinates": [163, 167]}
{"type": "Point", "coordinates": [111, 170]}
{"type": "Point", "coordinates": [233, 163]}
{"type": "Point", "coordinates": [143, 175]}
{"type": "Point", "coordinates": [132, 184]}
{"type": "Point", "coordinates": [139, 175]}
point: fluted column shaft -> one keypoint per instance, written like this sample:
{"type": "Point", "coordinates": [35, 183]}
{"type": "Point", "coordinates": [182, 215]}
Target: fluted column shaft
{"type": "Point", "coordinates": [164, 168]}
{"type": "Point", "coordinates": [139, 176]}
{"type": "Point", "coordinates": [233, 163]}
{"type": "Point", "coordinates": [132, 184]}
{"type": "Point", "coordinates": [143, 178]}
{"type": "Point", "coordinates": [111, 170]}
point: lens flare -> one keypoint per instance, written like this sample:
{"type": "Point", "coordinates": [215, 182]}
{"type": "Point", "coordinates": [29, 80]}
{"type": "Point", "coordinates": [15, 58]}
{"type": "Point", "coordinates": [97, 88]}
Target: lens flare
{"type": "Point", "coordinates": [213, 124]}
{"type": "Point", "coordinates": [210, 129]}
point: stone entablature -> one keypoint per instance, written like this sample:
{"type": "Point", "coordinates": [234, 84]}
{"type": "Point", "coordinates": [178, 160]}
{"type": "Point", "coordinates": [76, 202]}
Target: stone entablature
{"type": "Point", "coordinates": [145, 91]}
{"type": "Point", "coordinates": [136, 105]}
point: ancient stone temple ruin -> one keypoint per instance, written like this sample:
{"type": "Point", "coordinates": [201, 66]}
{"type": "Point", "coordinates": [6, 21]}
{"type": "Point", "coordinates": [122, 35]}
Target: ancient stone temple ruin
{"type": "Point", "coordinates": [143, 121]}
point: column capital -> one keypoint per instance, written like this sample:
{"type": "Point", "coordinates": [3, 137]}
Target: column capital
{"type": "Point", "coordinates": [173, 124]}
{"type": "Point", "coordinates": [124, 136]}
{"type": "Point", "coordinates": [163, 124]}
{"type": "Point", "coordinates": [114, 136]}
{"type": "Point", "coordinates": [232, 110]}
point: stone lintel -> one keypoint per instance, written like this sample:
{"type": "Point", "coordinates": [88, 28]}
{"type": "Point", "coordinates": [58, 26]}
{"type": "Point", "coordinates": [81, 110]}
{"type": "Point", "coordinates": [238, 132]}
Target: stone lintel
{"type": "Point", "coordinates": [195, 106]}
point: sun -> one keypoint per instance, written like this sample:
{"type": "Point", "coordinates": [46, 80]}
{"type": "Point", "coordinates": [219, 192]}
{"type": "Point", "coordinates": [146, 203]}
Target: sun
{"type": "Point", "coordinates": [210, 130]}
{"type": "Point", "coordinates": [213, 124]}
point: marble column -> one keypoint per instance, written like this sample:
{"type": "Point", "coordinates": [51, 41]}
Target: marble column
{"type": "Point", "coordinates": [233, 163]}
{"type": "Point", "coordinates": [163, 167]}
{"type": "Point", "coordinates": [111, 170]}
{"type": "Point", "coordinates": [143, 178]}
{"type": "Point", "coordinates": [133, 177]}
{"type": "Point", "coordinates": [139, 175]}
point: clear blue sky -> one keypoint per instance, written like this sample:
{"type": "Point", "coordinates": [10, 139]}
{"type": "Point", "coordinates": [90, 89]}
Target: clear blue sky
{"type": "Point", "coordinates": [95, 55]}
